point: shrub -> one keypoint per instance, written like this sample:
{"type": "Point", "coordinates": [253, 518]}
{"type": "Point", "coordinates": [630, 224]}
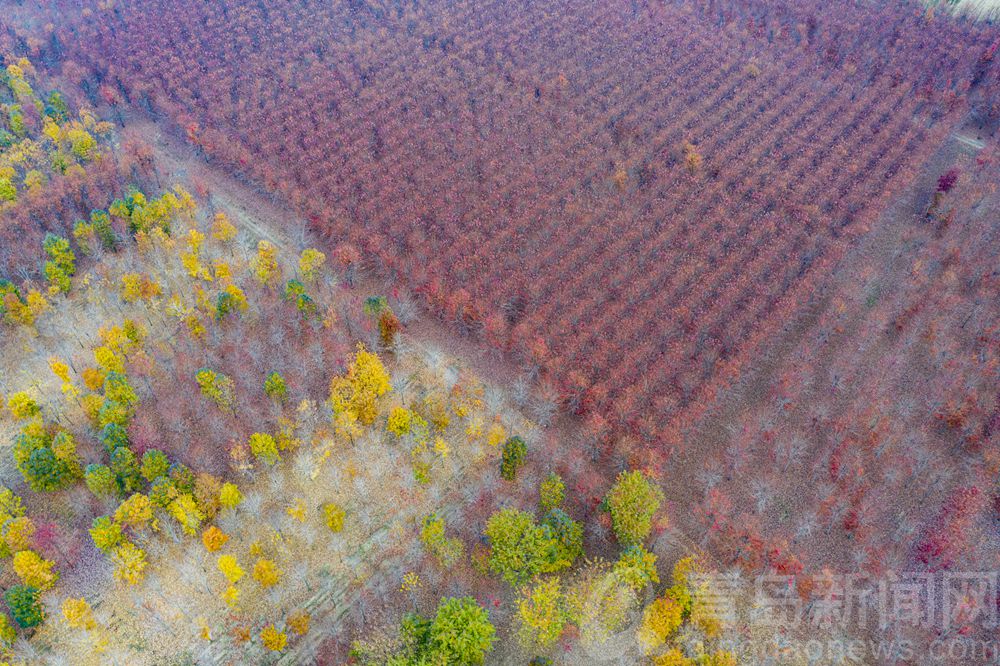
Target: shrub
{"type": "Point", "coordinates": [23, 406]}
{"type": "Point", "coordinates": [230, 496]}
{"type": "Point", "coordinates": [514, 452]}
{"type": "Point", "coordinates": [566, 537]}
{"type": "Point", "coordinates": [659, 622]}
{"type": "Point", "coordinates": [275, 387]}
{"type": "Point", "coordinates": [114, 436]}
{"type": "Point", "coordinates": [34, 570]}
{"type": "Point", "coordinates": [432, 535]}
{"type": "Point", "coordinates": [136, 512]}
{"type": "Point", "coordinates": [551, 493]}
{"type": "Point", "coordinates": [273, 639]}
{"type": "Point", "coordinates": [632, 501]}
{"type": "Point", "coordinates": [947, 180]}
{"type": "Point", "coordinates": [293, 290]}
{"type": "Point", "coordinates": [299, 623]}
{"type": "Point", "coordinates": [25, 605]}
{"type": "Point", "coordinates": [264, 448]}
{"type": "Point", "coordinates": [310, 262]}
{"type": "Point", "coordinates": [130, 563]}
{"type": "Point", "coordinates": [333, 515]}
{"type": "Point", "coordinates": [105, 533]}
{"type": "Point", "coordinates": [213, 538]}
{"type": "Point", "coordinates": [374, 305]}
{"type": "Point", "coordinates": [461, 632]}
{"type": "Point", "coordinates": [126, 468]}
{"type": "Point", "coordinates": [357, 394]}
{"type": "Point", "coordinates": [154, 464]}
{"type": "Point", "coordinates": [230, 568]}
{"type": "Point", "coordinates": [521, 549]}
{"type": "Point", "coordinates": [388, 327]}
{"type": "Point", "coordinates": [217, 387]}
{"type": "Point", "coordinates": [185, 511]}
{"type": "Point", "coordinates": [636, 567]}
{"type": "Point", "coordinates": [266, 573]}
{"type": "Point", "coordinates": [7, 632]}
{"type": "Point", "coordinates": [399, 421]}
{"type": "Point", "coordinates": [78, 614]}
{"type": "Point", "coordinates": [541, 615]}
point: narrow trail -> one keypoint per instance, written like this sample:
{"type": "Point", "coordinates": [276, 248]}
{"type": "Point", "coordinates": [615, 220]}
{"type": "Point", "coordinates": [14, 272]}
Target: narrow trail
{"type": "Point", "coordinates": [251, 208]}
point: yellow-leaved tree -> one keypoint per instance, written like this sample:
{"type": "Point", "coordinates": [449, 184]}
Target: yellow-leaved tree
{"type": "Point", "coordinates": [78, 614]}
{"type": "Point", "coordinates": [35, 570]}
{"type": "Point", "coordinates": [310, 262]}
{"type": "Point", "coordinates": [541, 614]}
{"type": "Point", "coordinates": [358, 392]}
{"type": "Point", "coordinates": [265, 264]}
